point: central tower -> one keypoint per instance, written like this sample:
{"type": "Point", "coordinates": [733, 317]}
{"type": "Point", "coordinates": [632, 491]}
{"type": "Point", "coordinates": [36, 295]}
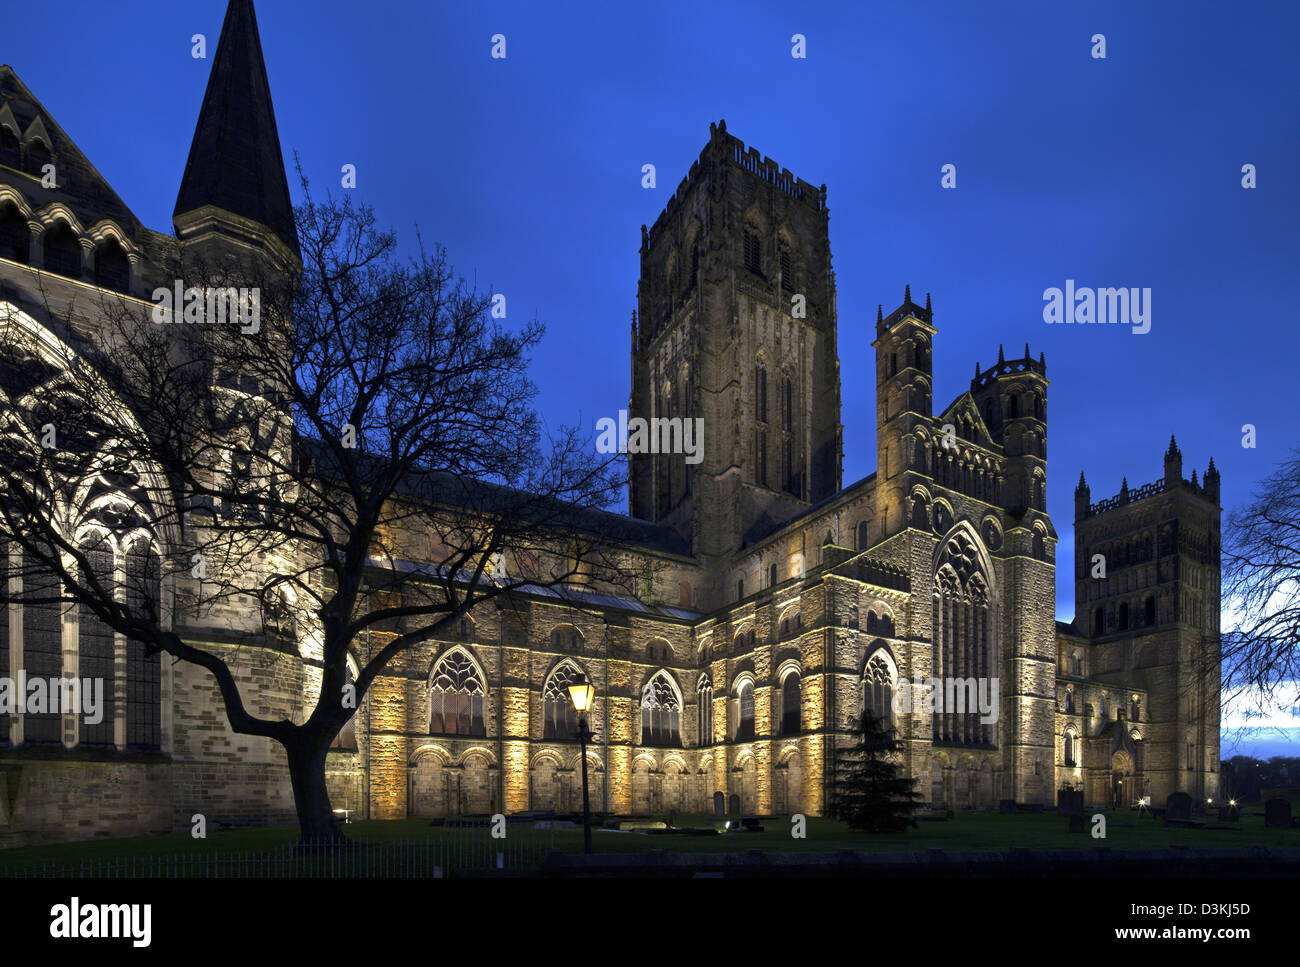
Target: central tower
{"type": "Point", "coordinates": [736, 327]}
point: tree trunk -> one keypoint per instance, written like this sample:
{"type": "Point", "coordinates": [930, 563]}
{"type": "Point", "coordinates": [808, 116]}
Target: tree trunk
{"type": "Point", "coordinates": [316, 820]}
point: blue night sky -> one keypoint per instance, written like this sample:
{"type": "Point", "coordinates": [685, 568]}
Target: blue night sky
{"type": "Point", "coordinates": [1117, 172]}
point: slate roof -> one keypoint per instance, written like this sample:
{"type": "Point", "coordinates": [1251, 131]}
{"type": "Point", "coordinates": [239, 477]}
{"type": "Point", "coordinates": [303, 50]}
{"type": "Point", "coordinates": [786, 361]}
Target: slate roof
{"type": "Point", "coordinates": [235, 162]}
{"type": "Point", "coordinates": [80, 186]}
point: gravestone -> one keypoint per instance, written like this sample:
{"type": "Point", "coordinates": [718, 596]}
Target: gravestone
{"type": "Point", "coordinates": [1007, 807]}
{"type": "Point", "coordinates": [735, 806]}
{"type": "Point", "coordinates": [1069, 802]}
{"type": "Point", "coordinates": [1076, 823]}
{"type": "Point", "coordinates": [1277, 813]}
{"type": "Point", "coordinates": [1178, 807]}
{"type": "Point", "coordinates": [719, 805]}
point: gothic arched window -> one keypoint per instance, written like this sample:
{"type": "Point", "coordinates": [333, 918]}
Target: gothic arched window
{"type": "Point", "coordinates": [864, 531]}
{"type": "Point", "coordinates": [962, 633]}
{"type": "Point", "coordinates": [878, 691]}
{"type": "Point", "coordinates": [42, 648]}
{"type": "Point", "coordinates": [704, 723]}
{"type": "Point", "coordinates": [112, 268]}
{"type": "Point", "coordinates": [456, 696]}
{"type": "Point", "coordinates": [745, 709]}
{"type": "Point", "coordinates": [143, 669]}
{"type": "Point", "coordinates": [95, 658]}
{"type": "Point", "coordinates": [561, 718]}
{"type": "Point", "coordinates": [790, 718]}
{"type": "Point", "coordinates": [661, 711]}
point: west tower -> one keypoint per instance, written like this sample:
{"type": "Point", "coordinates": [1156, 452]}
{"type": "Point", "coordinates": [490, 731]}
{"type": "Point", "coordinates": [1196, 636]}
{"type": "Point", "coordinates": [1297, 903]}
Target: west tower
{"type": "Point", "coordinates": [1153, 620]}
{"type": "Point", "coordinates": [736, 326]}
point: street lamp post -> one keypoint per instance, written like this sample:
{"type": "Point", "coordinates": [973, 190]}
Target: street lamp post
{"type": "Point", "coordinates": [581, 693]}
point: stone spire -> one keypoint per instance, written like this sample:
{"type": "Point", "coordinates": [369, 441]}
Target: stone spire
{"type": "Point", "coordinates": [235, 164]}
{"type": "Point", "coordinates": [1173, 464]}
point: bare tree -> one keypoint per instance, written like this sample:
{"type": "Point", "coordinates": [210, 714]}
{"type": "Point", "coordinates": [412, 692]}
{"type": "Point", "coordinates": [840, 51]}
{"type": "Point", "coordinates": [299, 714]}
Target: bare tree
{"type": "Point", "coordinates": [353, 450]}
{"type": "Point", "coordinates": [1261, 590]}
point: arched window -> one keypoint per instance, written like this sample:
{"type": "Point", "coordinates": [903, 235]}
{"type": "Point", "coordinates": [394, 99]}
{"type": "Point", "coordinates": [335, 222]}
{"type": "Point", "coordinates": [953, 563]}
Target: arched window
{"type": "Point", "coordinates": [919, 518]}
{"type": "Point", "coordinates": [962, 639]}
{"type": "Point", "coordinates": [566, 638]}
{"type": "Point", "coordinates": [4, 624]}
{"type": "Point", "coordinates": [15, 236]}
{"type": "Point", "coordinates": [38, 156]}
{"type": "Point", "coordinates": [1069, 749]}
{"type": "Point", "coordinates": [42, 648]}
{"type": "Point", "coordinates": [790, 705]}
{"type": "Point", "coordinates": [704, 723]}
{"type": "Point", "coordinates": [863, 532]}
{"type": "Point", "coordinates": [753, 252]}
{"type": "Point", "coordinates": [1135, 711]}
{"type": "Point", "coordinates": [745, 708]}
{"type": "Point", "coordinates": [112, 268]}
{"type": "Point", "coordinates": [1013, 406]}
{"type": "Point", "coordinates": [10, 151]}
{"type": "Point", "coordinates": [1149, 611]}
{"type": "Point", "coordinates": [143, 669]}
{"type": "Point", "coordinates": [1069, 701]}
{"type": "Point", "coordinates": [1101, 706]}
{"type": "Point", "coordinates": [62, 250]}
{"type": "Point", "coordinates": [771, 576]}
{"type": "Point", "coordinates": [787, 269]}
{"type": "Point", "coordinates": [95, 645]}
{"type": "Point", "coordinates": [1098, 621]}
{"type": "Point", "coordinates": [561, 718]}
{"type": "Point", "coordinates": [346, 740]}
{"type": "Point", "coordinates": [456, 696]}
{"type": "Point", "coordinates": [791, 624]}
{"type": "Point", "coordinates": [1123, 616]}
{"type": "Point", "coordinates": [660, 712]}
{"type": "Point", "coordinates": [880, 624]}
{"type": "Point", "coordinates": [878, 691]}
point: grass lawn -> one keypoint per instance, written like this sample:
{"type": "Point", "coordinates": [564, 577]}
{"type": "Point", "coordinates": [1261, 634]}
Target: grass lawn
{"type": "Point", "coordinates": [964, 832]}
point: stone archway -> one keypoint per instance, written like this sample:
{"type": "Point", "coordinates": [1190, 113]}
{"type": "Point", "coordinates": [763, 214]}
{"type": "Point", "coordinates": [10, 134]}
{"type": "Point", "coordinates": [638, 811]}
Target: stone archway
{"type": "Point", "coordinates": [1123, 787]}
{"type": "Point", "coordinates": [794, 784]}
{"type": "Point", "coordinates": [749, 787]}
{"type": "Point", "coordinates": [641, 791]}
{"type": "Point", "coordinates": [432, 787]}
{"type": "Point", "coordinates": [674, 788]}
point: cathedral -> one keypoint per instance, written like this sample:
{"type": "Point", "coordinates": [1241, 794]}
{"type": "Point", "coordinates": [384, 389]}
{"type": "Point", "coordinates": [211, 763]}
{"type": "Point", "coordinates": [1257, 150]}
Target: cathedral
{"type": "Point", "coordinates": [784, 602]}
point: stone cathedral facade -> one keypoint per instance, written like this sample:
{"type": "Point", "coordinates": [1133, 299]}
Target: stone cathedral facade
{"type": "Point", "coordinates": [781, 603]}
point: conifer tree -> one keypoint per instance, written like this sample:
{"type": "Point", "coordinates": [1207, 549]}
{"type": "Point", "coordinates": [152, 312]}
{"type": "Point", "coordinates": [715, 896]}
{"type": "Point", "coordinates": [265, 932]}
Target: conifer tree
{"type": "Point", "coordinates": [871, 792]}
